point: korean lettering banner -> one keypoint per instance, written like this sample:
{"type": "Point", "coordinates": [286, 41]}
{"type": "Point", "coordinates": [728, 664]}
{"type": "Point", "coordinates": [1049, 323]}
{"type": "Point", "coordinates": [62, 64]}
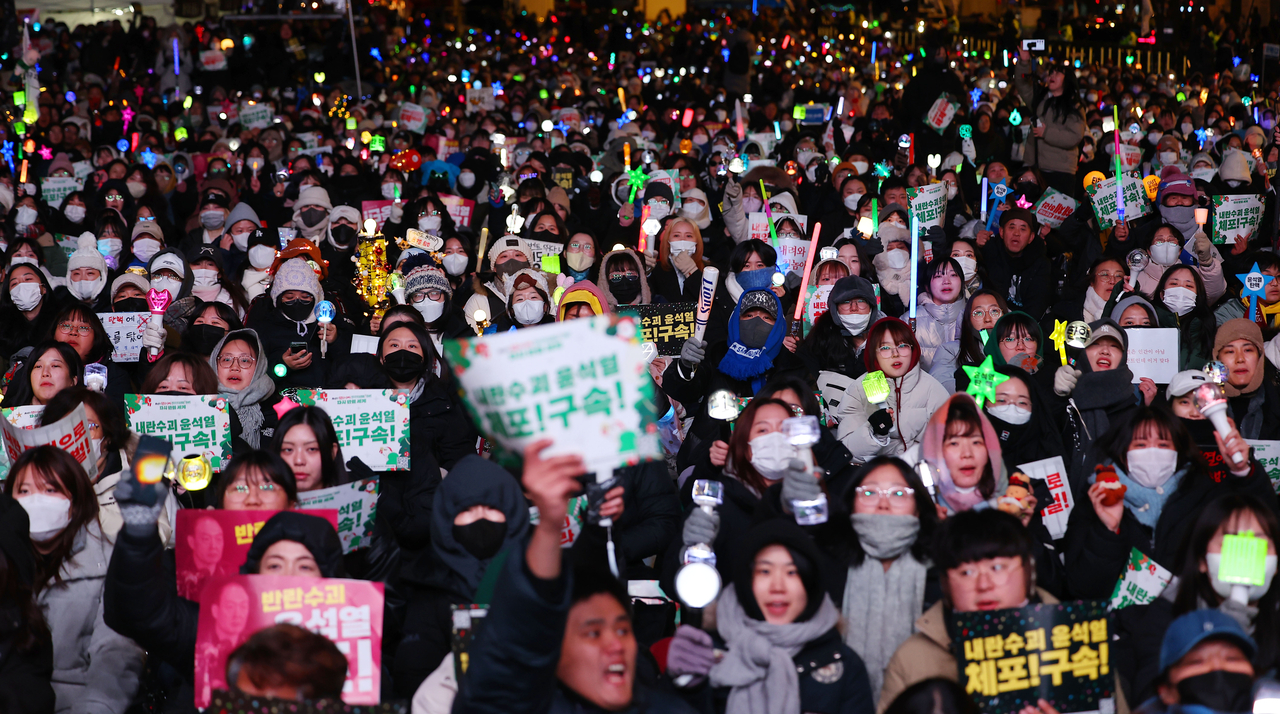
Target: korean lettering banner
{"type": "Point", "coordinates": [1235, 217]}
{"type": "Point", "coordinates": [70, 434]}
{"type": "Point", "coordinates": [54, 190]}
{"type": "Point", "coordinates": [356, 506]}
{"type": "Point", "coordinates": [1268, 454]}
{"type": "Point", "coordinates": [542, 248]}
{"type": "Point", "coordinates": [928, 205]}
{"type": "Point", "coordinates": [479, 99]}
{"type": "Point", "coordinates": [211, 543]}
{"type": "Point", "coordinates": [1130, 157]}
{"type": "Point", "coordinates": [582, 383]}
{"type": "Point", "coordinates": [255, 115]}
{"type": "Point", "coordinates": [348, 612]}
{"type": "Point", "coordinates": [194, 424]}
{"type": "Point", "coordinates": [1008, 659]}
{"type": "Point", "coordinates": [1054, 207]}
{"type": "Point", "coordinates": [1105, 208]}
{"type": "Point", "coordinates": [413, 118]}
{"type": "Point", "coordinates": [816, 304]}
{"type": "Point", "coordinates": [1056, 513]}
{"type": "Point", "coordinates": [1142, 582]}
{"type": "Point", "coordinates": [379, 211]}
{"type": "Point", "coordinates": [125, 330]}
{"type": "Point", "coordinates": [27, 417]}
{"type": "Point", "coordinates": [759, 227]}
{"type": "Point", "coordinates": [213, 60]}
{"type": "Point", "coordinates": [667, 325]}
{"type": "Point", "coordinates": [1153, 353]}
{"type": "Point", "coordinates": [941, 113]}
{"type": "Point", "coordinates": [459, 208]}
{"type": "Point", "coordinates": [372, 424]}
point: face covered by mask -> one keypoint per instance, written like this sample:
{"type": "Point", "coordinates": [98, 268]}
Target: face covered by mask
{"type": "Point", "coordinates": [851, 201]}
{"type": "Point", "coordinates": [1152, 467]}
{"type": "Point", "coordinates": [897, 258]}
{"type": "Point", "coordinates": [201, 339]}
{"type": "Point", "coordinates": [342, 235]}
{"type": "Point", "coordinates": [1010, 413]}
{"type": "Point", "coordinates": [1166, 253]}
{"type": "Point", "coordinates": [625, 287]}
{"type": "Point", "coordinates": [134, 304]}
{"type": "Point", "coordinates": [770, 454]}
{"type": "Point", "coordinates": [1180, 300]}
{"type": "Point", "coordinates": [1181, 217]}
{"type": "Point", "coordinates": [482, 539]}
{"type": "Point", "coordinates": [212, 219]}
{"type": "Point", "coordinates": [455, 263]}
{"type": "Point", "coordinates": [391, 191]}
{"type": "Point", "coordinates": [261, 256]}
{"type": "Point", "coordinates": [26, 296]}
{"type": "Point", "coordinates": [969, 266]}
{"type": "Point", "coordinates": [467, 179]}
{"type": "Point", "coordinates": [145, 249]}
{"type": "Point", "coordinates": [856, 324]}
{"type": "Point", "coordinates": [659, 210]}
{"type": "Point", "coordinates": [429, 224]}
{"type": "Point", "coordinates": [87, 289]}
{"type": "Point", "coordinates": [48, 515]}
{"type": "Point", "coordinates": [754, 331]}
{"type": "Point", "coordinates": [75, 214]}
{"type": "Point", "coordinates": [297, 310]}
{"type": "Point", "coordinates": [404, 366]}
{"type": "Point", "coordinates": [529, 312]}
{"type": "Point", "coordinates": [759, 279]}
{"type": "Point", "coordinates": [751, 204]}
{"type": "Point", "coordinates": [25, 216]}
{"type": "Point", "coordinates": [431, 310]}
{"type": "Point", "coordinates": [1168, 158]}
{"type": "Point", "coordinates": [1219, 690]}
{"type": "Point", "coordinates": [173, 286]}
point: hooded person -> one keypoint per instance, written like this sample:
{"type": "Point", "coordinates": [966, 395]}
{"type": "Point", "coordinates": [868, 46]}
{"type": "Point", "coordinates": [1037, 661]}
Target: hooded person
{"type": "Point", "coordinates": [87, 273]}
{"type": "Point", "coordinates": [295, 292]}
{"type": "Point", "coordinates": [833, 350]}
{"type": "Point", "coordinates": [311, 213]}
{"type": "Point", "coordinates": [207, 284]}
{"type": "Point", "coordinates": [313, 533]}
{"type": "Point", "coordinates": [695, 206]}
{"type": "Point", "coordinates": [966, 476]}
{"type": "Point", "coordinates": [1252, 400]}
{"type": "Point", "coordinates": [252, 417]}
{"type": "Point", "coordinates": [528, 301]}
{"type": "Point", "coordinates": [241, 223]}
{"type": "Point", "coordinates": [507, 256]}
{"type": "Point", "coordinates": [473, 519]}
{"type": "Point", "coordinates": [893, 263]}
{"type": "Point", "coordinates": [582, 297]}
{"type": "Point", "coordinates": [255, 277]}
{"type": "Point", "coordinates": [1234, 173]}
{"type": "Point", "coordinates": [1183, 217]}
{"type": "Point", "coordinates": [623, 280]}
{"type": "Point", "coordinates": [1204, 169]}
{"type": "Point", "coordinates": [337, 248]}
{"type": "Point", "coordinates": [1099, 389]}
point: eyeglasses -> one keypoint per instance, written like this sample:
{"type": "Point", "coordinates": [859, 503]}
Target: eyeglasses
{"type": "Point", "coordinates": [114, 197]}
{"type": "Point", "coordinates": [243, 361]}
{"type": "Point", "coordinates": [146, 218]}
{"type": "Point", "coordinates": [432, 295]}
{"type": "Point", "coordinates": [1012, 341]}
{"type": "Point", "coordinates": [994, 313]}
{"type": "Point", "coordinates": [898, 494]}
{"type": "Point", "coordinates": [242, 488]}
{"type": "Point", "coordinates": [1108, 275]}
{"type": "Point", "coordinates": [582, 247]}
{"type": "Point", "coordinates": [886, 350]}
{"type": "Point", "coordinates": [68, 328]}
{"type": "Point", "coordinates": [999, 572]}
{"type": "Point", "coordinates": [620, 276]}
{"type": "Point", "coordinates": [428, 212]}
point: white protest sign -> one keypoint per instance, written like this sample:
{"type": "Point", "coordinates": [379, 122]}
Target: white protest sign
{"type": "Point", "coordinates": [1235, 217]}
{"type": "Point", "coordinates": [478, 99]}
{"type": "Point", "coordinates": [1153, 353]}
{"type": "Point", "coordinates": [1057, 512]}
{"type": "Point", "coordinates": [196, 424]}
{"type": "Point", "coordinates": [1105, 208]}
{"type": "Point", "coordinates": [541, 248]}
{"type": "Point", "coordinates": [125, 330]}
{"type": "Point", "coordinates": [69, 434]}
{"type": "Point", "coordinates": [54, 190]}
{"type": "Point", "coordinates": [213, 60]}
{"type": "Point", "coordinates": [27, 417]}
{"type": "Point", "coordinates": [941, 114]}
{"type": "Point", "coordinates": [412, 118]}
{"type": "Point", "coordinates": [1054, 207]}
{"type": "Point", "coordinates": [583, 383]}
{"type": "Point", "coordinates": [372, 424]}
{"type": "Point", "coordinates": [255, 115]}
{"type": "Point", "coordinates": [81, 170]}
{"type": "Point", "coordinates": [357, 505]}
{"type": "Point", "coordinates": [1142, 582]}
{"type": "Point", "coordinates": [817, 302]}
{"type": "Point", "coordinates": [1130, 157]}
{"type": "Point", "coordinates": [928, 205]}
{"type": "Point", "coordinates": [765, 139]}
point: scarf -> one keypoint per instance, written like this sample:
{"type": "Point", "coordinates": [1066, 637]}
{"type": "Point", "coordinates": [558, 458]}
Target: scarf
{"type": "Point", "coordinates": [885, 604]}
{"type": "Point", "coordinates": [1098, 393]}
{"type": "Point", "coordinates": [751, 364]}
{"type": "Point", "coordinates": [1094, 305]}
{"type": "Point", "coordinates": [758, 665]}
{"type": "Point", "coordinates": [1146, 504]}
{"type": "Point", "coordinates": [245, 401]}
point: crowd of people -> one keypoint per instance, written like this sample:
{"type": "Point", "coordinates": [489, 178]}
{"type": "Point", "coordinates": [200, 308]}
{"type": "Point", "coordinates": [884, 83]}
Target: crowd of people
{"type": "Point", "coordinates": [587, 164]}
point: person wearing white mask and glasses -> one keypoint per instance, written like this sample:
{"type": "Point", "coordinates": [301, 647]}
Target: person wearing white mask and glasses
{"type": "Point", "coordinates": [427, 289]}
{"type": "Point", "coordinates": [147, 240]}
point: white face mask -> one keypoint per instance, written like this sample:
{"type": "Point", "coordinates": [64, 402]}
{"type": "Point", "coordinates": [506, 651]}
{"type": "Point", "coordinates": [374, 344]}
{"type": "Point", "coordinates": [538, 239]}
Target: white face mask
{"type": "Point", "coordinates": [86, 289]}
{"type": "Point", "coordinates": [110, 247]}
{"type": "Point", "coordinates": [145, 249]}
{"type": "Point", "coordinates": [48, 514]}
{"type": "Point", "coordinates": [429, 224]}
{"type": "Point", "coordinates": [466, 179]}
{"type": "Point", "coordinates": [860, 167]}
{"type": "Point", "coordinates": [240, 240]}
{"type": "Point", "coordinates": [1010, 413]}
{"type": "Point", "coordinates": [455, 263]}
{"type": "Point", "coordinates": [812, 172]}
{"type": "Point", "coordinates": [212, 219]}
{"type": "Point", "coordinates": [952, 191]}
{"type": "Point", "coordinates": [1214, 561]}
{"type": "Point", "coordinates": [25, 216]}
{"type": "Point", "coordinates": [1154, 137]}
{"type": "Point", "coordinates": [1165, 253]}
{"type": "Point", "coordinates": [804, 156]}
{"type": "Point", "coordinates": [23, 260]}
{"type": "Point", "coordinates": [659, 210]}
{"type": "Point", "coordinates": [136, 189]}
{"type": "Point", "coordinates": [1152, 467]}
{"type": "Point", "coordinates": [751, 204]}
{"type": "Point", "coordinates": [1180, 300]}
{"type": "Point", "coordinates": [897, 258]}
{"type": "Point", "coordinates": [770, 454]}
{"type": "Point", "coordinates": [856, 324]}
{"type": "Point", "coordinates": [851, 201]}
{"type": "Point", "coordinates": [173, 286]}
{"type": "Point", "coordinates": [529, 312]}
{"type": "Point", "coordinates": [261, 256]}
{"type": "Point", "coordinates": [26, 296]}
{"type": "Point", "coordinates": [204, 278]}
{"type": "Point", "coordinates": [1186, 128]}
{"type": "Point", "coordinates": [75, 214]}
{"type": "Point", "coordinates": [683, 246]}
{"type": "Point", "coordinates": [390, 191]}
{"type": "Point", "coordinates": [968, 265]}
{"type": "Point", "coordinates": [1168, 158]}
{"type": "Point", "coordinates": [430, 309]}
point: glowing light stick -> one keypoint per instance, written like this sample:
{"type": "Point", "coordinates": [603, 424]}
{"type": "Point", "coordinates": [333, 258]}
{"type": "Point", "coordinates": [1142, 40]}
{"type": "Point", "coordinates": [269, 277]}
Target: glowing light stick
{"type": "Point", "coordinates": [808, 266]}
{"type": "Point", "coordinates": [157, 301]}
{"type": "Point", "coordinates": [325, 313]}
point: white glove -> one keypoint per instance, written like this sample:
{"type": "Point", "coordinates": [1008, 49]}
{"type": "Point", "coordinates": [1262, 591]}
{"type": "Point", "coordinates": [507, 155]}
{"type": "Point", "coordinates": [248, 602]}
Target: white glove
{"type": "Point", "coordinates": [154, 334]}
{"type": "Point", "coordinates": [1064, 380]}
{"type": "Point", "coordinates": [397, 212]}
{"type": "Point", "coordinates": [732, 192]}
{"type": "Point", "coordinates": [969, 150]}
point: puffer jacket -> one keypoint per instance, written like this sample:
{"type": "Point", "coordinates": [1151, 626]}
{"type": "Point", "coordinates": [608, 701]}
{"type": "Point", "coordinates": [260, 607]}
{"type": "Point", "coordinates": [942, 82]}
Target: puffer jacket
{"type": "Point", "coordinates": [913, 398]}
{"type": "Point", "coordinates": [1058, 149]}
{"type": "Point", "coordinates": [95, 669]}
{"type": "Point", "coordinates": [938, 332]}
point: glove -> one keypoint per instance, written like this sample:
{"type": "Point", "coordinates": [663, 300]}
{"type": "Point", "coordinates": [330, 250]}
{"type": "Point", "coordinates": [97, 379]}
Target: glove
{"type": "Point", "coordinates": [700, 527]}
{"type": "Point", "coordinates": [969, 150]}
{"type": "Point", "coordinates": [692, 354]}
{"type": "Point", "coordinates": [684, 263]}
{"type": "Point", "coordinates": [140, 518]}
{"type": "Point", "coordinates": [798, 484]}
{"type": "Point", "coordinates": [960, 220]}
{"type": "Point", "coordinates": [1203, 248]}
{"type": "Point", "coordinates": [732, 192]}
{"type": "Point", "coordinates": [1064, 380]}
{"type": "Point", "coordinates": [397, 212]}
{"type": "Point", "coordinates": [881, 423]}
{"type": "Point", "coordinates": [153, 337]}
{"type": "Point", "coordinates": [690, 654]}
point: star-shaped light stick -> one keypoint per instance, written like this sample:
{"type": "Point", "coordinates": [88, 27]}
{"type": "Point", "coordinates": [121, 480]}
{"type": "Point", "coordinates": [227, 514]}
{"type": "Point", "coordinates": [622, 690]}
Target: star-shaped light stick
{"type": "Point", "coordinates": [635, 179]}
{"type": "Point", "coordinates": [46, 152]}
{"type": "Point", "coordinates": [1255, 287]}
{"type": "Point", "coordinates": [983, 381]}
{"type": "Point", "coordinates": [127, 116]}
{"type": "Point", "coordinates": [1022, 202]}
{"type": "Point", "coordinates": [1059, 337]}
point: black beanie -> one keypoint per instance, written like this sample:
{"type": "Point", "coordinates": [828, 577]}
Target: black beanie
{"type": "Point", "coordinates": [784, 532]}
{"type": "Point", "coordinates": [313, 532]}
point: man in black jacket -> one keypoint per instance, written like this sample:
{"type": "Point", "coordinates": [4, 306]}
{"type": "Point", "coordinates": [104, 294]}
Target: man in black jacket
{"type": "Point", "coordinates": [1016, 264]}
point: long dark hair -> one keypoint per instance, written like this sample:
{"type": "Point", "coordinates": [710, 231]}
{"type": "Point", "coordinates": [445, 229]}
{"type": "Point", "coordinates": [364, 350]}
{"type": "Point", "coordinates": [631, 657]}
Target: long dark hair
{"type": "Point", "coordinates": [1195, 586]}
{"type": "Point", "coordinates": [49, 464]}
{"type": "Point", "coordinates": [1058, 108]}
{"type": "Point", "coordinates": [1114, 443]}
{"type": "Point", "coordinates": [739, 443]}
{"type": "Point", "coordinates": [333, 471]}
{"type": "Point", "coordinates": [30, 630]}
{"type": "Point", "coordinates": [101, 349]}
{"type": "Point", "coordinates": [269, 465]}
{"type": "Point", "coordinates": [925, 510]}
{"type": "Point", "coordinates": [764, 251]}
{"type": "Point", "coordinates": [429, 355]}
{"type": "Point", "coordinates": [20, 391]}
{"type": "Point", "coordinates": [1203, 342]}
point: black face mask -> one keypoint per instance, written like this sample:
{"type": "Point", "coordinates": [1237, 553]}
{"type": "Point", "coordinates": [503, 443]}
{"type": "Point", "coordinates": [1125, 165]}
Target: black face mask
{"type": "Point", "coordinates": [313, 218]}
{"type": "Point", "coordinates": [511, 267]}
{"type": "Point", "coordinates": [404, 366]}
{"type": "Point", "coordinates": [546, 236]}
{"type": "Point", "coordinates": [201, 339]}
{"type": "Point", "coordinates": [343, 235]}
{"type": "Point", "coordinates": [754, 332]}
{"type": "Point", "coordinates": [297, 310]}
{"type": "Point", "coordinates": [482, 539]}
{"type": "Point", "coordinates": [1218, 690]}
{"type": "Point", "coordinates": [130, 305]}
{"type": "Point", "coordinates": [625, 288]}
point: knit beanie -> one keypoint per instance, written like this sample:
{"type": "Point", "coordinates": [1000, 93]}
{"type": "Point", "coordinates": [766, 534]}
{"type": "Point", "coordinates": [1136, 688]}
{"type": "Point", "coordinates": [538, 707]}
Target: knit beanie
{"type": "Point", "coordinates": [427, 277]}
{"type": "Point", "coordinates": [296, 274]}
{"type": "Point", "coordinates": [86, 255]}
{"type": "Point", "coordinates": [508, 242]}
{"type": "Point", "coordinates": [1240, 328]}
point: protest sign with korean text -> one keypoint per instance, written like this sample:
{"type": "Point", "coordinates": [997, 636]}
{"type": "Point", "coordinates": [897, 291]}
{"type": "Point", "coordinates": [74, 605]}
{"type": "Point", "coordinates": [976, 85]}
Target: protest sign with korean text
{"type": "Point", "coordinates": [1141, 583]}
{"type": "Point", "coordinates": [1235, 217]}
{"type": "Point", "coordinates": [413, 118]}
{"type": "Point", "coordinates": [348, 612]}
{"type": "Point", "coordinates": [1054, 207]}
{"type": "Point", "coordinates": [542, 248]}
{"type": "Point", "coordinates": [54, 190]}
{"type": "Point", "coordinates": [194, 424]}
{"type": "Point", "coordinates": [479, 99]}
{"type": "Point", "coordinates": [356, 505]}
{"type": "Point", "coordinates": [1105, 208]}
{"type": "Point", "coordinates": [1153, 353]}
{"type": "Point", "coordinates": [1057, 512]}
{"type": "Point", "coordinates": [667, 325]}
{"type": "Point", "coordinates": [125, 329]}
{"type": "Point", "coordinates": [70, 434]}
{"type": "Point", "coordinates": [379, 211]}
{"type": "Point", "coordinates": [928, 205]}
{"type": "Point", "coordinates": [372, 424]}
{"type": "Point", "coordinates": [213, 61]}
{"type": "Point", "coordinates": [583, 383]}
{"type": "Point", "coordinates": [792, 252]}
{"type": "Point", "coordinates": [1268, 454]}
{"type": "Point", "coordinates": [816, 303]}
{"type": "Point", "coordinates": [27, 417]}
{"type": "Point", "coordinates": [459, 208]}
{"type": "Point", "coordinates": [214, 542]}
{"type": "Point", "coordinates": [1009, 659]}
{"type": "Point", "coordinates": [941, 113]}
{"type": "Point", "coordinates": [255, 115]}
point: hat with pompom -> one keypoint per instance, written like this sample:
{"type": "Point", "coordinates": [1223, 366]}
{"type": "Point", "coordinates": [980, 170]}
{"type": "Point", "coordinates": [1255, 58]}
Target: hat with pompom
{"type": "Point", "coordinates": [86, 255]}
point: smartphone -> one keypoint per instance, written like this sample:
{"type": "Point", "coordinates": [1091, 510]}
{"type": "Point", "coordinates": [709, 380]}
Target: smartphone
{"type": "Point", "coordinates": [1033, 45]}
{"type": "Point", "coordinates": [297, 347]}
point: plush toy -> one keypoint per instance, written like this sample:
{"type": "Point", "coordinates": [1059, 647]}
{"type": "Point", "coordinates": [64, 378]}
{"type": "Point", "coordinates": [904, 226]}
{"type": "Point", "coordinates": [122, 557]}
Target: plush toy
{"type": "Point", "coordinates": [1017, 499]}
{"type": "Point", "coordinates": [1106, 476]}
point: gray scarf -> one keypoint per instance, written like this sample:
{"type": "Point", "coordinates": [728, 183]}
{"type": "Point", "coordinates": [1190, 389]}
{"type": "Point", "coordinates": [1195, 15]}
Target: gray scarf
{"type": "Point", "coordinates": [245, 401]}
{"type": "Point", "coordinates": [758, 665]}
{"type": "Point", "coordinates": [885, 604]}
